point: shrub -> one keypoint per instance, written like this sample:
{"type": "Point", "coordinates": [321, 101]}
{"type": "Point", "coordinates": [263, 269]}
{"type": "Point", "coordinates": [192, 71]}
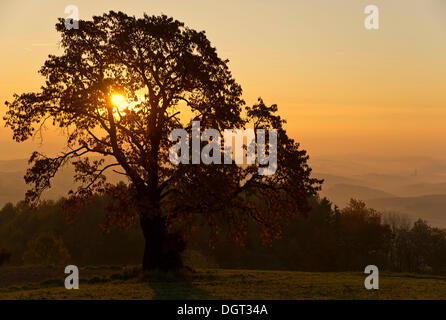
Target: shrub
{"type": "Point", "coordinates": [46, 249]}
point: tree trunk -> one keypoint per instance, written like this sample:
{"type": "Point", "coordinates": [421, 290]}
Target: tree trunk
{"type": "Point", "coordinates": [162, 248]}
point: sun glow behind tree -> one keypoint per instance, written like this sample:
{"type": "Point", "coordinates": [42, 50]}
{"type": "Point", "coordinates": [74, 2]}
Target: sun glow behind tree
{"type": "Point", "coordinates": [120, 102]}
{"type": "Point", "coordinates": [123, 103]}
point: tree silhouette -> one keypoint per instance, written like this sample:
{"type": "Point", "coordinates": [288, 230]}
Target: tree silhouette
{"type": "Point", "coordinates": [164, 75]}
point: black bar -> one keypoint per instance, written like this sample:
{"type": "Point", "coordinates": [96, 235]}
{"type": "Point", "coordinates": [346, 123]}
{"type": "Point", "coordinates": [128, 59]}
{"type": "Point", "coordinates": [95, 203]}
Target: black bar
{"type": "Point", "coordinates": [222, 309]}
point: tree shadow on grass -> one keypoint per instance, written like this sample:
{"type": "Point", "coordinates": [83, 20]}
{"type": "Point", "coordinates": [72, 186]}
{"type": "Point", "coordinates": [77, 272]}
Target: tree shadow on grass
{"type": "Point", "coordinates": [175, 287]}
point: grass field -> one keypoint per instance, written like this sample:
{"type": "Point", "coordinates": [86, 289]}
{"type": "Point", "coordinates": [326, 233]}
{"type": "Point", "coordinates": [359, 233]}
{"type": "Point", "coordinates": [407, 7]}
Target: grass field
{"type": "Point", "coordinates": [125, 283]}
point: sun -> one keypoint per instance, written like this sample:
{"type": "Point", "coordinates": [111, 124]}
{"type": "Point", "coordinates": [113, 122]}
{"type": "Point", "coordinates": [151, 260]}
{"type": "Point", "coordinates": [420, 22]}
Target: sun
{"type": "Point", "coordinates": [119, 101]}
{"type": "Point", "coordinates": [124, 104]}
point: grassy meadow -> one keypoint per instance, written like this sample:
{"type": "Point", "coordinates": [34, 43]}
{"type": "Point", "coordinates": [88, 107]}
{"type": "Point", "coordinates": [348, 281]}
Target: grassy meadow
{"type": "Point", "coordinates": [127, 283]}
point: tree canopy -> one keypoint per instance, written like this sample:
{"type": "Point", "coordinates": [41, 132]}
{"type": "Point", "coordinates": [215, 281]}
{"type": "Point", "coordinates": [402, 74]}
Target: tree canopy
{"type": "Point", "coordinates": [121, 85]}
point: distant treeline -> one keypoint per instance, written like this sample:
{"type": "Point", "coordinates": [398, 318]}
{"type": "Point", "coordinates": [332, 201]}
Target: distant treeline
{"type": "Point", "coordinates": [42, 236]}
{"type": "Point", "coordinates": [329, 239]}
{"type": "Point", "coordinates": [343, 240]}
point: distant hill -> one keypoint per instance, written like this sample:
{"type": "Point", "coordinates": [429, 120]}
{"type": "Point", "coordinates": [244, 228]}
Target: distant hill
{"type": "Point", "coordinates": [429, 207]}
{"type": "Point", "coordinates": [331, 179]}
{"type": "Point", "coordinates": [421, 189]}
{"type": "Point", "coordinates": [340, 194]}
{"type": "Point", "coordinates": [13, 187]}
{"type": "Point", "coordinates": [419, 193]}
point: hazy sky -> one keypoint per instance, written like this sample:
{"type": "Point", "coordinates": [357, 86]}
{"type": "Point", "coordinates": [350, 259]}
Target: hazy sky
{"type": "Point", "coordinates": [342, 88]}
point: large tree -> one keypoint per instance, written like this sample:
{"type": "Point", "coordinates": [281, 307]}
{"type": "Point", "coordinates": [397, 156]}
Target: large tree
{"type": "Point", "coordinates": [120, 87]}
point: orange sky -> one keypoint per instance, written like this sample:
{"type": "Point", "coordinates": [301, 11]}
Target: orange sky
{"type": "Point", "coordinates": [342, 88]}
